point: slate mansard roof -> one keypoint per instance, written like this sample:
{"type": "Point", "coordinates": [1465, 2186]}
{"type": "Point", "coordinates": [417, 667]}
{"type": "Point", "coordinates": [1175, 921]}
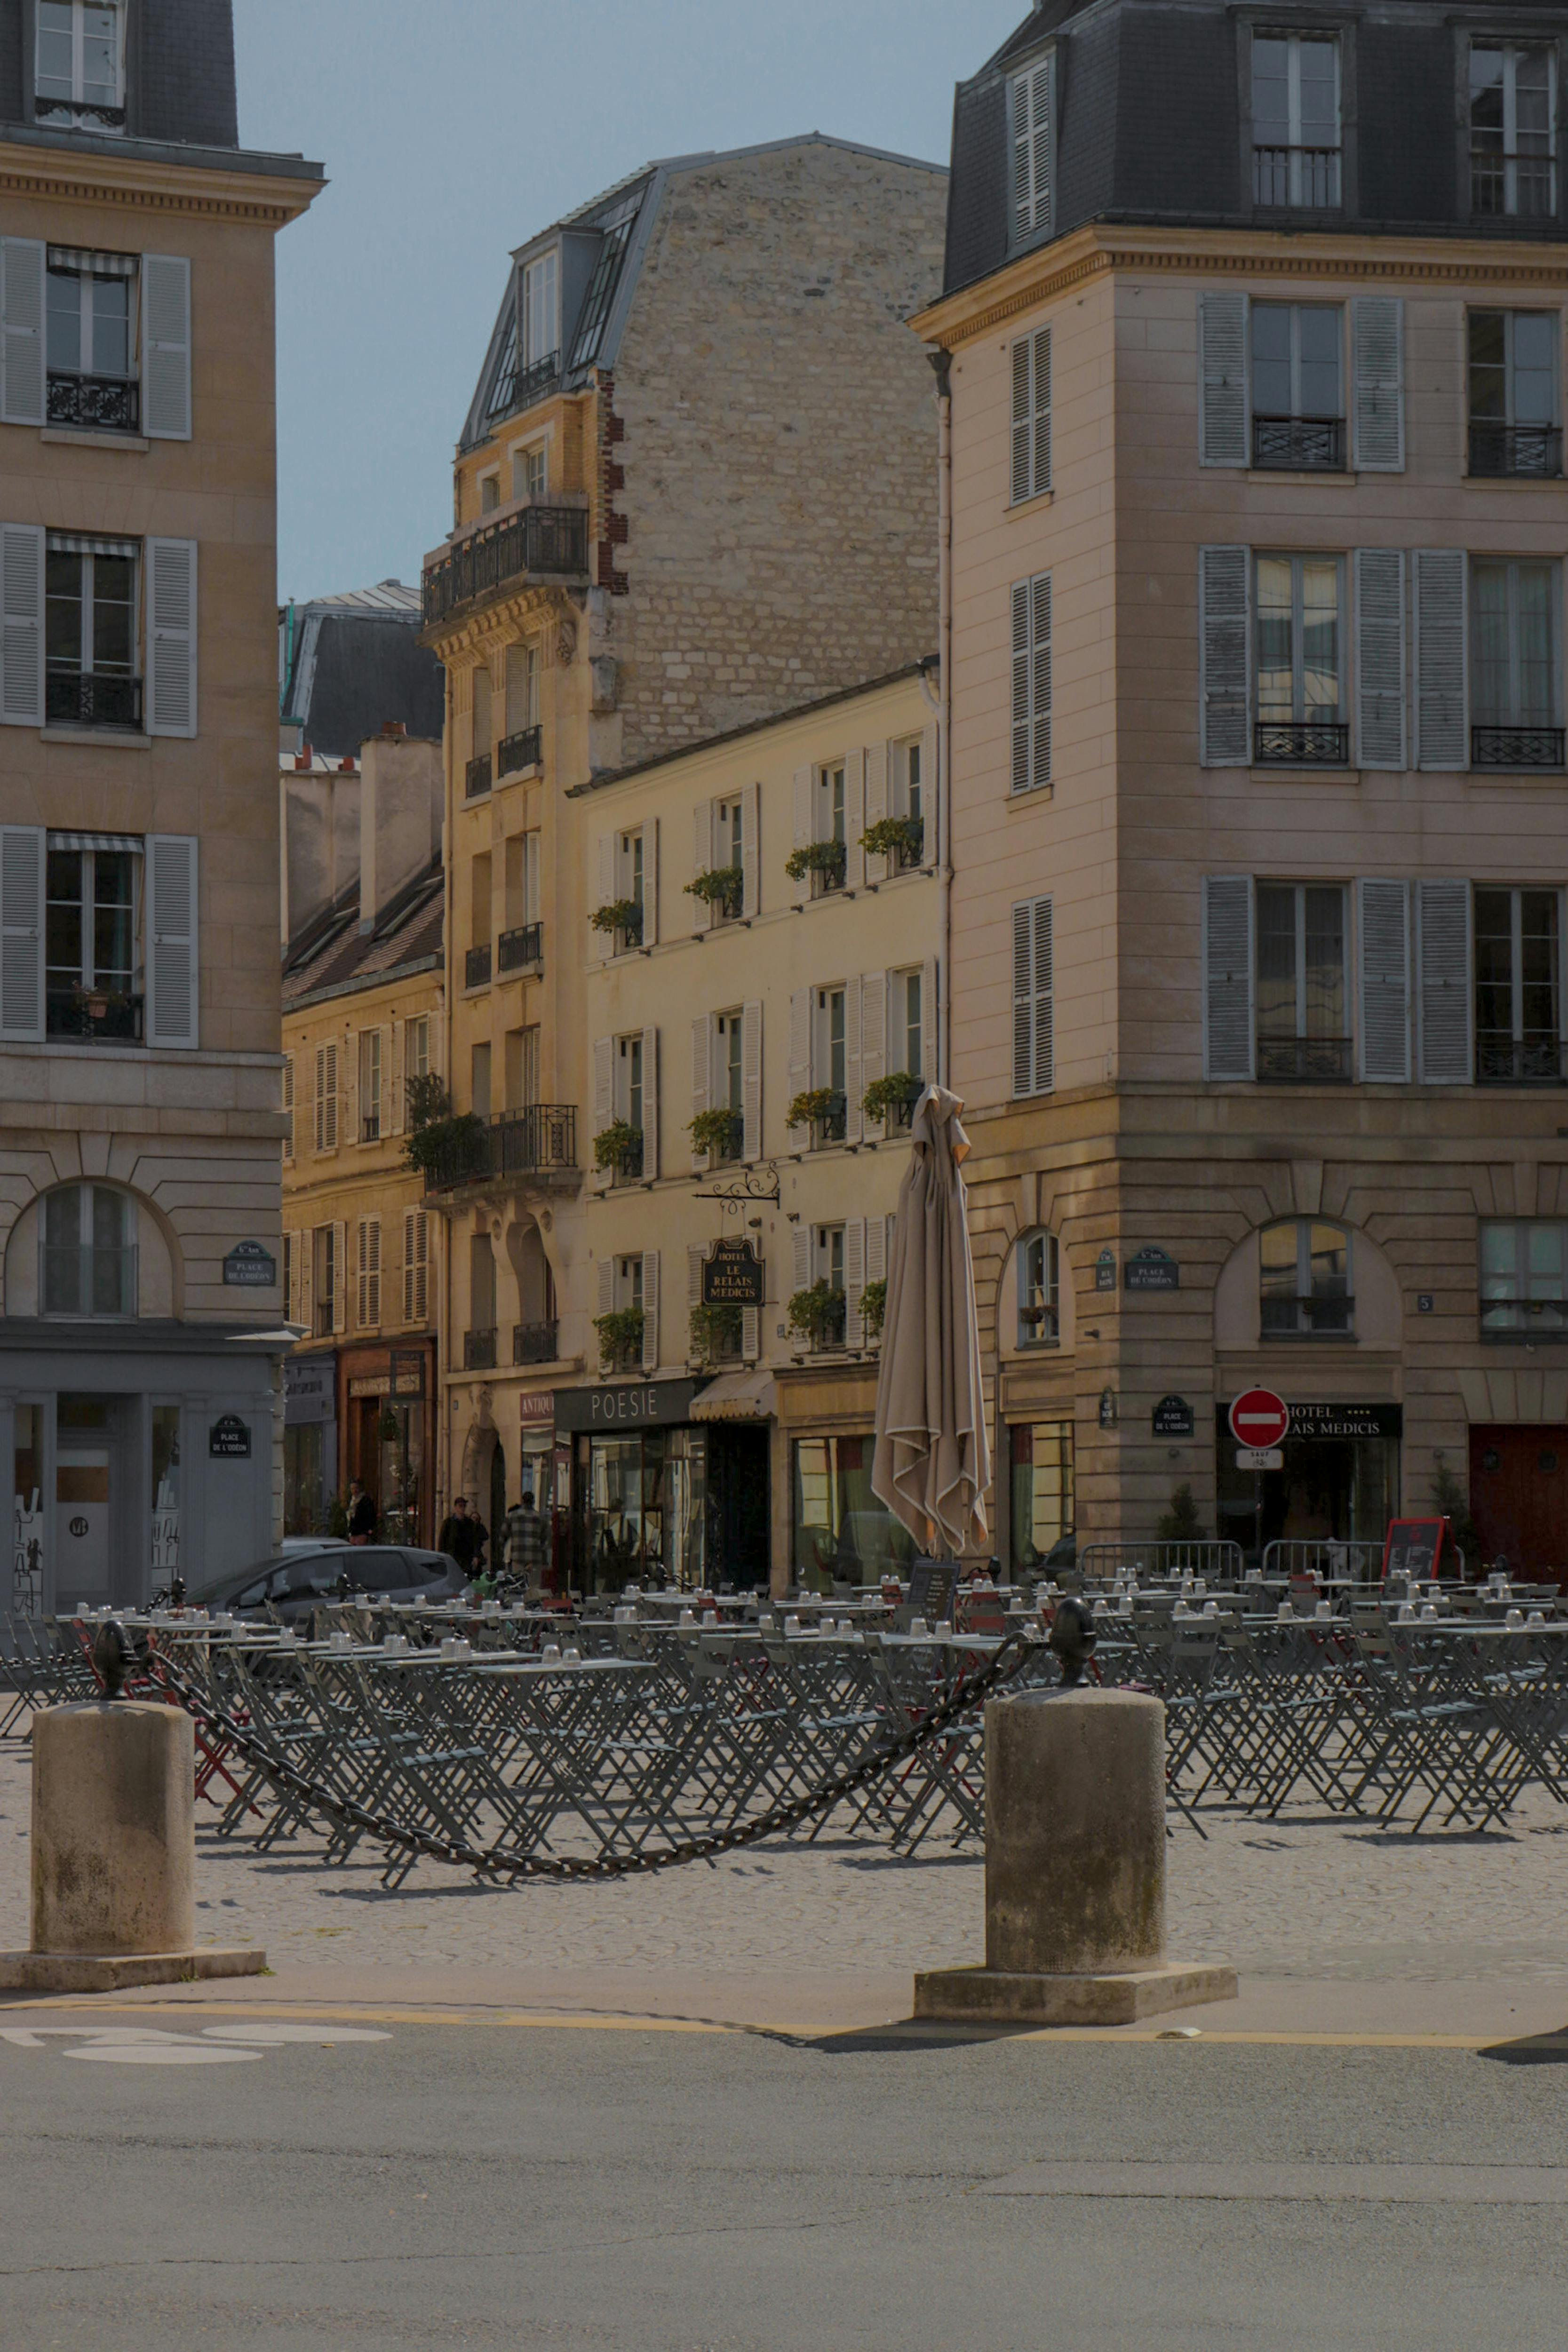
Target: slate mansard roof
{"type": "Point", "coordinates": [1152, 124]}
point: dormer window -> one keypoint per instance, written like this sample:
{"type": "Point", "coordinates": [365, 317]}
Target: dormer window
{"type": "Point", "coordinates": [80, 64]}
{"type": "Point", "coordinates": [541, 312]}
{"type": "Point", "coordinates": [1513, 107]}
{"type": "Point", "coordinates": [1031, 104]}
{"type": "Point", "coordinates": [1296, 121]}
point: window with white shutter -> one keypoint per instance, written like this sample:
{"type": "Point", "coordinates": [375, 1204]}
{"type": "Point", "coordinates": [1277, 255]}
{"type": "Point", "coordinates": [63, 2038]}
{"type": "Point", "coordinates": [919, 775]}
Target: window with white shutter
{"type": "Point", "coordinates": [1222, 380]}
{"type": "Point", "coordinates": [21, 625]}
{"type": "Point", "coordinates": [650, 1310]}
{"type": "Point", "coordinates": [1517, 950]}
{"type": "Point", "coordinates": [1303, 1027]}
{"type": "Point", "coordinates": [1032, 683]}
{"type": "Point", "coordinates": [1031, 416]}
{"type": "Point", "coordinates": [23, 865]}
{"type": "Point", "coordinates": [1034, 1067]}
{"type": "Point", "coordinates": [1031, 100]}
{"type": "Point", "coordinates": [368, 1303]}
{"type": "Point", "coordinates": [327, 1097]}
{"type": "Point", "coordinates": [21, 281]}
{"type": "Point", "coordinates": [799, 1059]}
{"type": "Point", "coordinates": [1377, 375]}
{"type": "Point", "coordinates": [1440, 682]}
{"type": "Point", "coordinates": [415, 1266]}
{"type": "Point", "coordinates": [1444, 1002]}
{"type": "Point", "coordinates": [750, 848]}
{"type": "Point", "coordinates": [1384, 924]}
{"type": "Point", "coordinates": [173, 974]}
{"type": "Point", "coordinates": [1224, 578]}
{"type": "Point", "coordinates": [165, 347]}
{"type": "Point", "coordinates": [171, 636]}
{"type": "Point", "coordinates": [1227, 966]}
{"type": "Point", "coordinates": [702, 1081]}
{"type": "Point", "coordinates": [751, 1079]}
{"type": "Point", "coordinates": [1516, 663]}
{"type": "Point", "coordinates": [1296, 386]}
{"type": "Point", "coordinates": [1380, 657]}
{"type": "Point", "coordinates": [854, 1281]}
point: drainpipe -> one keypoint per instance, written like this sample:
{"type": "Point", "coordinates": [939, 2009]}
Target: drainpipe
{"type": "Point", "coordinates": [942, 364]}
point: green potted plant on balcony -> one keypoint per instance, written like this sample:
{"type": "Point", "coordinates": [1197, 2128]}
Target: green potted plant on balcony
{"type": "Point", "coordinates": [622, 919]}
{"type": "Point", "coordinates": [891, 1098]}
{"type": "Point", "coordinates": [874, 1307]}
{"type": "Point", "coordinates": [445, 1145]}
{"type": "Point", "coordinates": [816, 1316]}
{"type": "Point", "coordinates": [821, 1108]}
{"type": "Point", "coordinates": [620, 1338]}
{"type": "Point", "coordinates": [722, 888]}
{"type": "Point", "coordinates": [824, 859]}
{"type": "Point", "coordinates": [719, 1133]}
{"type": "Point", "coordinates": [716, 1333]}
{"type": "Point", "coordinates": [617, 1148]}
{"type": "Point", "coordinates": [899, 838]}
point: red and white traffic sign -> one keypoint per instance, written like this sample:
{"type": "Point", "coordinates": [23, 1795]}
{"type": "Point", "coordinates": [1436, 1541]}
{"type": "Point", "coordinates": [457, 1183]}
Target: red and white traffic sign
{"type": "Point", "coordinates": [1259, 1420]}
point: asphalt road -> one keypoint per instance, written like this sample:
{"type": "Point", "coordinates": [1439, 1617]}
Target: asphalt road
{"type": "Point", "coordinates": [476, 2184]}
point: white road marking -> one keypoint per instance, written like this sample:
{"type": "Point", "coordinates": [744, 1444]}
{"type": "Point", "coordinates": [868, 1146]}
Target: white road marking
{"type": "Point", "coordinates": [164, 2053]}
{"type": "Point", "coordinates": [150, 2045]}
{"type": "Point", "coordinates": [279, 2034]}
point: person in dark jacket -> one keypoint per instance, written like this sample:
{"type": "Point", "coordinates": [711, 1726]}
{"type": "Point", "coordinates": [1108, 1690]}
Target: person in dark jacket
{"type": "Point", "coordinates": [361, 1515]}
{"type": "Point", "coordinates": [464, 1534]}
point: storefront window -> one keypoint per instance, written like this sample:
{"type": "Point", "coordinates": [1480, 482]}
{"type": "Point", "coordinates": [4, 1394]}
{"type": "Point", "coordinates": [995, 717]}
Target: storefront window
{"type": "Point", "coordinates": [840, 1531]}
{"type": "Point", "coordinates": [1042, 1490]}
{"type": "Point", "coordinates": [304, 1479]}
{"type": "Point", "coordinates": [628, 1516]}
{"type": "Point", "coordinates": [165, 1489]}
{"type": "Point", "coordinates": [1339, 1482]}
{"type": "Point", "coordinates": [401, 1484]}
{"type": "Point", "coordinates": [28, 1513]}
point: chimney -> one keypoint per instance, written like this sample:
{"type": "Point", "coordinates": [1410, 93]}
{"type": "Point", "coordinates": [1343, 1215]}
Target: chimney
{"type": "Point", "coordinates": [304, 758]}
{"type": "Point", "coordinates": [394, 729]}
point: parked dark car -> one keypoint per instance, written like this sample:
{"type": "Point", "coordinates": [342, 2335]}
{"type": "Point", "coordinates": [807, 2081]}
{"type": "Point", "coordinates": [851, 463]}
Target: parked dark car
{"type": "Point", "coordinates": [296, 1581]}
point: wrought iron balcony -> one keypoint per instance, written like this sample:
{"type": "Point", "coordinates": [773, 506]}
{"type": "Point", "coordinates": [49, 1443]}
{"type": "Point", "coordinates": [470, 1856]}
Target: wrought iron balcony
{"type": "Point", "coordinates": [95, 404]}
{"type": "Point", "coordinates": [519, 948]}
{"type": "Point", "coordinates": [79, 113]}
{"type": "Point", "coordinates": [106, 1016]}
{"type": "Point", "coordinates": [1300, 743]}
{"type": "Point", "coordinates": [625, 1167]}
{"type": "Point", "coordinates": [479, 1351]}
{"type": "Point", "coordinates": [476, 968]}
{"type": "Point", "coordinates": [540, 543]}
{"type": "Point", "coordinates": [832, 1126]}
{"type": "Point", "coordinates": [75, 698]}
{"type": "Point", "coordinates": [828, 1337]}
{"type": "Point", "coordinates": [535, 1343]}
{"type": "Point", "coordinates": [1307, 177]}
{"type": "Point", "coordinates": [1535, 1060]}
{"type": "Point", "coordinates": [1298, 445]}
{"type": "Point", "coordinates": [1328, 1315]}
{"type": "Point", "coordinates": [476, 777]}
{"type": "Point", "coordinates": [538, 1141]}
{"type": "Point", "coordinates": [1516, 746]}
{"type": "Point", "coordinates": [1533, 451]}
{"type": "Point", "coordinates": [1524, 1318]}
{"type": "Point", "coordinates": [523, 750]}
{"type": "Point", "coordinates": [370, 1127]}
{"type": "Point", "coordinates": [1305, 1061]}
{"type": "Point", "coordinates": [524, 385]}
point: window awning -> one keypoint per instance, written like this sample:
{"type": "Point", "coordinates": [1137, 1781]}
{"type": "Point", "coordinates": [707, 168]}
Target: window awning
{"type": "Point", "coordinates": [737, 1396]}
{"type": "Point", "coordinates": [130, 841]}
{"type": "Point", "coordinates": [77, 543]}
{"type": "Point", "coordinates": [93, 265]}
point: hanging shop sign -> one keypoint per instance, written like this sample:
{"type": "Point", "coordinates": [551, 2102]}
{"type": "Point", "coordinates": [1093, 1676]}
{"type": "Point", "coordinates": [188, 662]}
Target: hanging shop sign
{"type": "Point", "coordinates": [1105, 1270]}
{"type": "Point", "coordinates": [732, 1276]}
{"type": "Point", "coordinates": [248, 1267]}
{"type": "Point", "coordinates": [1172, 1417]}
{"type": "Point", "coordinates": [228, 1439]}
{"type": "Point", "coordinates": [1152, 1269]}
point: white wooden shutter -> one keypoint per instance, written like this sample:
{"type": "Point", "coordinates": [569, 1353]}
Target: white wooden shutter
{"type": "Point", "coordinates": [165, 347]}
{"type": "Point", "coordinates": [422, 1267]}
{"type": "Point", "coordinates": [752, 1080]}
{"type": "Point", "coordinates": [750, 847]}
{"type": "Point", "coordinates": [1222, 380]}
{"type": "Point", "coordinates": [1441, 733]}
{"type": "Point", "coordinates": [361, 1300]}
{"type": "Point", "coordinates": [854, 1281]}
{"type": "Point", "coordinates": [23, 864]}
{"type": "Point", "coordinates": [171, 636]}
{"type": "Point", "coordinates": [799, 1058]}
{"type": "Point", "coordinates": [22, 282]}
{"type": "Point", "coordinates": [1380, 657]}
{"type": "Point", "coordinates": [1032, 683]}
{"type": "Point", "coordinates": [22, 641]}
{"type": "Point", "coordinates": [1033, 1041]}
{"type": "Point", "coordinates": [930, 785]}
{"type": "Point", "coordinates": [340, 1276]}
{"type": "Point", "coordinates": [854, 1088]}
{"type": "Point", "coordinates": [1377, 380]}
{"type": "Point", "coordinates": [702, 859]}
{"type": "Point", "coordinates": [330, 1097]}
{"type": "Point", "coordinates": [1224, 574]}
{"type": "Point", "coordinates": [606, 940]}
{"type": "Point", "coordinates": [650, 1103]}
{"type": "Point", "coordinates": [800, 891]}
{"type": "Point", "coordinates": [307, 1248]}
{"type": "Point", "coordinates": [873, 1028]}
{"type": "Point", "coordinates": [800, 1256]}
{"type": "Point", "coordinates": [606, 1285]}
{"type": "Point", "coordinates": [173, 970]}
{"type": "Point", "coordinates": [290, 1277]}
{"type": "Point", "coordinates": [288, 1105]}
{"type": "Point", "coordinates": [603, 1082]}
{"type": "Point", "coordinates": [408, 1248]}
{"type": "Point", "coordinates": [1033, 101]}
{"type": "Point", "coordinates": [877, 1248]}
{"type": "Point", "coordinates": [876, 758]}
{"type": "Point", "coordinates": [702, 1077]}
{"type": "Point", "coordinates": [650, 882]}
{"type": "Point", "coordinates": [374, 1273]}
{"type": "Point", "coordinates": [397, 1105]}
{"type": "Point", "coordinates": [1228, 959]}
{"type": "Point", "coordinates": [353, 1048]}
{"type": "Point", "coordinates": [650, 1310]}
{"type": "Point", "coordinates": [751, 1326]}
{"type": "Point", "coordinates": [1446, 1001]}
{"type": "Point", "coordinates": [854, 818]}
{"type": "Point", "coordinates": [695, 1256]}
{"type": "Point", "coordinates": [931, 1008]}
{"type": "Point", "coordinates": [1031, 472]}
{"type": "Point", "coordinates": [1384, 926]}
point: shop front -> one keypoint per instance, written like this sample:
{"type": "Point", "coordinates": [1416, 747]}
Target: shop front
{"type": "Point", "coordinates": [662, 1481]}
{"type": "Point", "coordinates": [386, 1401]}
{"type": "Point", "coordinates": [309, 1442]}
{"type": "Point", "coordinates": [838, 1533]}
{"type": "Point", "coordinates": [1338, 1478]}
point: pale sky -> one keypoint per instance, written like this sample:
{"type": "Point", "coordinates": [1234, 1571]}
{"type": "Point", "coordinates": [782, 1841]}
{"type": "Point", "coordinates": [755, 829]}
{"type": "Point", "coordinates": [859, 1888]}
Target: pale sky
{"type": "Point", "coordinates": [451, 130]}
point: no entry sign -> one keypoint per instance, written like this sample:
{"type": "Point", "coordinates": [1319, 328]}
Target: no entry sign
{"type": "Point", "coordinates": [1259, 1420]}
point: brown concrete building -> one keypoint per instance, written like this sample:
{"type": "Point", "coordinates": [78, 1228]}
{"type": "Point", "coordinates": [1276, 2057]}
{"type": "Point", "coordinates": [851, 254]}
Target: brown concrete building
{"type": "Point", "coordinates": [1254, 320]}
{"type": "Point", "coordinates": [139, 1344]}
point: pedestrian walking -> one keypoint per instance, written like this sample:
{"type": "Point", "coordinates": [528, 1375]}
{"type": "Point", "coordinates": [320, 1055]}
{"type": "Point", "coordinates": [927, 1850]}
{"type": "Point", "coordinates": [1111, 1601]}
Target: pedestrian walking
{"type": "Point", "coordinates": [527, 1542]}
{"type": "Point", "coordinates": [463, 1535]}
{"type": "Point", "coordinates": [361, 1515]}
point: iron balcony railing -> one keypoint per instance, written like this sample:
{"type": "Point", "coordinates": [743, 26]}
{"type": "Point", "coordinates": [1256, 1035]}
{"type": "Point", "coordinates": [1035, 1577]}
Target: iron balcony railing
{"type": "Point", "coordinates": [832, 1125]}
{"type": "Point", "coordinates": [1516, 746]}
{"type": "Point", "coordinates": [1329, 1315]}
{"type": "Point", "coordinates": [76, 111]}
{"type": "Point", "coordinates": [476, 777]}
{"type": "Point", "coordinates": [523, 750]}
{"type": "Point", "coordinates": [538, 1141]}
{"type": "Point", "coordinates": [1300, 743]}
{"type": "Point", "coordinates": [370, 1127]}
{"type": "Point", "coordinates": [547, 542]}
{"type": "Point", "coordinates": [1305, 1061]}
{"type": "Point", "coordinates": [1530, 1318]}
{"type": "Point", "coordinates": [516, 949]}
{"type": "Point", "coordinates": [535, 1343]}
{"type": "Point", "coordinates": [95, 404]}
{"type": "Point", "coordinates": [76, 697]}
{"type": "Point", "coordinates": [1490, 171]}
{"type": "Point", "coordinates": [479, 1351]}
{"type": "Point", "coordinates": [1308, 177]}
{"type": "Point", "coordinates": [526, 385]}
{"type": "Point", "coordinates": [104, 1016]}
{"type": "Point", "coordinates": [829, 1335]}
{"type": "Point", "coordinates": [77, 1279]}
{"type": "Point", "coordinates": [1535, 1060]}
{"type": "Point", "coordinates": [625, 1167]}
{"type": "Point", "coordinates": [1299, 445]}
{"type": "Point", "coordinates": [476, 968]}
{"type": "Point", "coordinates": [1535, 451]}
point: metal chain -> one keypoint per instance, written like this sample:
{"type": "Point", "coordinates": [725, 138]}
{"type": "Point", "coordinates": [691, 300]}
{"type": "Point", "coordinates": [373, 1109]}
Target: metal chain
{"type": "Point", "coordinates": [500, 1862]}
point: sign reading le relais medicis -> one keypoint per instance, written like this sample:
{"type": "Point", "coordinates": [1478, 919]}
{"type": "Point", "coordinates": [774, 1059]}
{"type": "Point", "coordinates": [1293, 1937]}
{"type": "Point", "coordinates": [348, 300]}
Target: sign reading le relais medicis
{"type": "Point", "coordinates": [732, 1275]}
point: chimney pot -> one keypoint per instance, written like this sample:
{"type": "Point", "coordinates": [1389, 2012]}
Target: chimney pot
{"type": "Point", "coordinates": [396, 728]}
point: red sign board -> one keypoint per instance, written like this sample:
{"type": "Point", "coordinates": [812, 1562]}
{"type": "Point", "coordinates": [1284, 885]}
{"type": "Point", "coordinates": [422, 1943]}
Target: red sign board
{"type": "Point", "coordinates": [1259, 1420]}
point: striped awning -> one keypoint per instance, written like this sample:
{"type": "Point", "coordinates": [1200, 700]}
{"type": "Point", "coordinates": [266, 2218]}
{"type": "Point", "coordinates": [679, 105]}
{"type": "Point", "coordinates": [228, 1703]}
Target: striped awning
{"type": "Point", "coordinates": [93, 265]}
{"type": "Point", "coordinates": [126, 841]}
{"type": "Point", "coordinates": [77, 543]}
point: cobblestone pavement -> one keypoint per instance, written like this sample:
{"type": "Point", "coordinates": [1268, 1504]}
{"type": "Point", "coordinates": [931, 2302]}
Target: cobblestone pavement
{"type": "Point", "coordinates": [1302, 1896]}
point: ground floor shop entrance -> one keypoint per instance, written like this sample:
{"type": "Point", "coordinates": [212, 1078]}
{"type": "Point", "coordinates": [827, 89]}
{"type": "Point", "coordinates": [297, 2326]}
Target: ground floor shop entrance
{"type": "Point", "coordinates": [385, 1411]}
{"type": "Point", "coordinates": [1339, 1479]}
{"type": "Point", "coordinates": [656, 1496]}
{"type": "Point", "coordinates": [1519, 1496]}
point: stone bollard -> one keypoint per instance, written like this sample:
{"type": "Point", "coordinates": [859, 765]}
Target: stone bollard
{"type": "Point", "coordinates": [1075, 1870]}
{"type": "Point", "coordinates": [115, 1855]}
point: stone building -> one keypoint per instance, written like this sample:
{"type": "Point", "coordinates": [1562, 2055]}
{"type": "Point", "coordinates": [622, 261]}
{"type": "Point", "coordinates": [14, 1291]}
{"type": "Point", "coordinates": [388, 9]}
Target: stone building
{"type": "Point", "coordinates": [140, 1336]}
{"type": "Point", "coordinates": [1255, 340]}
{"type": "Point", "coordinates": [693, 491]}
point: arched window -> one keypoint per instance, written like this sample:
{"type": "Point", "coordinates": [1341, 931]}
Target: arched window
{"type": "Point", "coordinates": [1040, 1318]}
{"type": "Point", "coordinates": [88, 1253]}
{"type": "Point", "coordinates": [1304, 1280]}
